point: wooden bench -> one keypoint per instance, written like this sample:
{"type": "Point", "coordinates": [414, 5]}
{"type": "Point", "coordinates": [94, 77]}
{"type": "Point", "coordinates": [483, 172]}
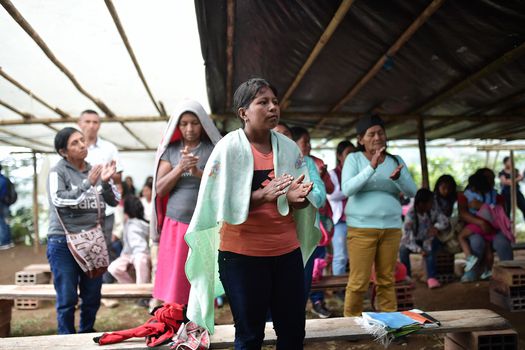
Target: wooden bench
{"type": "Point", "coordinates": [330, 282]}
{"type": "Point", "coordinates": [317, 330]}
{"type": "Point", "coordinates": [8, 293]}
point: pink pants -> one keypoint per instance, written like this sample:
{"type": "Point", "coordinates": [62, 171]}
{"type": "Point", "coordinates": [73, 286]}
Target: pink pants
{"type": "Point", "coordinates": [119, 268]}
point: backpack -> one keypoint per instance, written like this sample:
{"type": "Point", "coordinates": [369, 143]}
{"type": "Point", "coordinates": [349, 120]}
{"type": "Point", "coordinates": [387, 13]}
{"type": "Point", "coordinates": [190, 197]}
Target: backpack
{"type": "Point", "coordinates": [10, 196]}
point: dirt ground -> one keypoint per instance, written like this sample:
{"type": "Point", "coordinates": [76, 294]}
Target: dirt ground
{"type": "Point", "coordinates": [452, 296]}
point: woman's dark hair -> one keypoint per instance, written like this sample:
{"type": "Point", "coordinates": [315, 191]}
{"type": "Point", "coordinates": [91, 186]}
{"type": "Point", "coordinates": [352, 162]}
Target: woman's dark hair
{"type": "Point", "coordinates": [298, 132]}
{"type": "Point", "coordinates": [246, 93]}
{"type": "Point", "coordinates": [452, 195]}
{"type": "Point", "coordinates": [62, 137]}
{"type": "Point", "coordinates": [361, 148]}
{"type": "Point", "coordinates": [480, 183]}
{"type": "Point", "coordinates": [505, 159]}
{"type": "Point", "coordinates": [341, 146]}
{"type": "Point", "coordinates": [133, 208]}
{"type": "Point", "coordinates": [423, 195]}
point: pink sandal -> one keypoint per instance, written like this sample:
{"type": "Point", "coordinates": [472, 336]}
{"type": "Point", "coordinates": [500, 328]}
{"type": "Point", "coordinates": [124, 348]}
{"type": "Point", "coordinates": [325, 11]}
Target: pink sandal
{"type": "Point", "coordinates": [433, 283]}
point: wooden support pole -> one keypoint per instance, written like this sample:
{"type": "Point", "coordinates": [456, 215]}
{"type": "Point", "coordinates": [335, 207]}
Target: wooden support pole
{"type": "Point", "coordinates": [513, 193]}
{"type": "Point", "coordinates": [36, 240]}
{"type": "Point", "coordinates": [323, 40]}
{"type": "Point", "coordinates": [122, 32]}
{"type": "Point", "coordinates": [28, 139]}
{"type": "Point", "coordinates": [230, 37]}
{"type": "Point", "coordinates": [30, 93]}
{"type": "Point", "coordinates": [26, 116]}
{"type": "Point", "coordinates": [423, 153]}
{"type": "Point", "coordinates": [17, 16]}
{"type": "Point", "coordinates": [398, 44]}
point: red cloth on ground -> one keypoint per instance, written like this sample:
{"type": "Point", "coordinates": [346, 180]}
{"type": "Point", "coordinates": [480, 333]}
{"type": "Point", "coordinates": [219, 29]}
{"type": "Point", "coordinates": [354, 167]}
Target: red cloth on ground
{"type": "Point", "coordinates": [158, 330]}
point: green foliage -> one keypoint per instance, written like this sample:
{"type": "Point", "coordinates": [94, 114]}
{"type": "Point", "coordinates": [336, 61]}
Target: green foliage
{"type": "Point", "coordinates": [22, 225]}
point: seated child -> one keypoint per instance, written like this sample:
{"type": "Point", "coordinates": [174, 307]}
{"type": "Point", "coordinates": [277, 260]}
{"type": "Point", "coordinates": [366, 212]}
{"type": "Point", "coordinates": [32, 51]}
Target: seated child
{"type": "Point", "coordinates": [421, 226]}
{"type": "Point", "coordinates": [135, 245]}
{"type": "Point", "coordinates": [475, 195]}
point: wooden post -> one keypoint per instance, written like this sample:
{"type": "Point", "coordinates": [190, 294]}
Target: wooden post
{"type": "Point", "coordinates": [36, 242]}
{"type": "Point", "coordinates": [513, 192]}
{"type": "Point", "coordinates": [422, 152]}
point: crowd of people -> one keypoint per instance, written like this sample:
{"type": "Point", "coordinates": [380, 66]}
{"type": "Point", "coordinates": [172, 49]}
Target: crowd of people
{"type": "Point", "coordinates": [253, 215]}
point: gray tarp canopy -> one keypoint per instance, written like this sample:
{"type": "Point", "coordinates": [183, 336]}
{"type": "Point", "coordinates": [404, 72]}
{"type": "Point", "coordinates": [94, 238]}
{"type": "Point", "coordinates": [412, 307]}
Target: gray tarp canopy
{"type": "Point", "coordinates": [456, 66]}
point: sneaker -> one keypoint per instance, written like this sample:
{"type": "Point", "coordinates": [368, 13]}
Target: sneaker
{"type": "Point", "coordinates": [320, 309]}
{"type": "Point", "coordinates": [486, 275]}
{"type": "Point", "coordinates": [433, 283]}
{"type": "Point", "coordinates": [468, 276]}
{"type": "Point", "coordinates": [471, 262]}
{"type": "Point", "coordinates": [7, 246]}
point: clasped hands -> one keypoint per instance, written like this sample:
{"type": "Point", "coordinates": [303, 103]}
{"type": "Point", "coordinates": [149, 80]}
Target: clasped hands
{"type": "Point", "coordinates": [188, 162]}
{"type": "Point", "coordinates": [374, 162]}
{"type": "Point", "coordinates": [295, 190]}
{"type": "Point", "coordinates": [102, 171]}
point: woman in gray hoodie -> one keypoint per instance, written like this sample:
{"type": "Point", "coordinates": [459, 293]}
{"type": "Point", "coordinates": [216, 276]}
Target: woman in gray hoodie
{"type": "Point", "coordinates": [78, 192]}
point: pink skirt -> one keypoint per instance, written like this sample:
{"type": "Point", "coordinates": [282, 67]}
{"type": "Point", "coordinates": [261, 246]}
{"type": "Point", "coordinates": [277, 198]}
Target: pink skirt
{"type": "Point", "coordinates": [171, 283]}
{"type": "Point", "coordinates": [488, 236]}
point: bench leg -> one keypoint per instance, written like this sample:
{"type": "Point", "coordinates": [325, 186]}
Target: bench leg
{"type": "Point", "coordinates": [5, 317]}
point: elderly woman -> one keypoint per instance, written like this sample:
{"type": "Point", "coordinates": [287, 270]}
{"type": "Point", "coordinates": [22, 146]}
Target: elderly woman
{"type": "Point", "coordinates": [78, 194]}
{"type": "Point", "coordinates": [188, 141]}
{"type": "Point", "coordinates": [372, 180]}
{"type": "Point", "coordinates": [254, 224]}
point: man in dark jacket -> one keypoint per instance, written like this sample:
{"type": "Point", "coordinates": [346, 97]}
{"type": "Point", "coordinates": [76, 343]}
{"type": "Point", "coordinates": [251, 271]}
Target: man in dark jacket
{"type": "Point", "coordinates": [5, 232]}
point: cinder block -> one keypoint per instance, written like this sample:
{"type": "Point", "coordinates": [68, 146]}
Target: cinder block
{"type": "Point", "coordinates": [27, 304]}
{"type": "Point", "coordinates": [511, 276]}
{"type": "Point", "coordinates": [32, 277]}
{"type": "Point", "coordinates": [483, 340]}
{"type": "Point", "coordinates": [506, 302]}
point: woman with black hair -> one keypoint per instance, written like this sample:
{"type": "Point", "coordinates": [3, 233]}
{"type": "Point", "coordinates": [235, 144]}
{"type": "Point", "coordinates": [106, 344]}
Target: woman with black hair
{"type": "Point", "coordinates": [77, 194]}
{"type": "Point", "coordinates": [372, 180]}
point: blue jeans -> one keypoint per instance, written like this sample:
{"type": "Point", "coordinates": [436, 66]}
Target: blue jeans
{"type": "Point", "coordinates": [67, 277]}
{"type": "Point", "coordinates": [319, 252]}
{"type": "Point", "coordinates": [255, 285]}
{"type": "Point", "coordinates": [500, 244]}
{"type": "Point", "coordinates": [339, 244]}
{"type": "Point", "coordinates": [430, 258]}
{"type": "Point", "coordinates": [5, 231]}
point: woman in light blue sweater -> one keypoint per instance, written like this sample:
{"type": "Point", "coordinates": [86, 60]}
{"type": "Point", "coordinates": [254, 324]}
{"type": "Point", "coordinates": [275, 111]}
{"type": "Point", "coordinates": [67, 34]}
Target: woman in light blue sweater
{"type": "Point", "coordinates": [372, 179]}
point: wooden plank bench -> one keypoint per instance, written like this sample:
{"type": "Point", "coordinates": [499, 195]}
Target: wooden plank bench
{"type": "Point", "coordinates": [47, 291]}
{"type": "Point", "coordinates": [317, 330]}
{"type": "Point", "coordinates": [330, 282]}
{"type": "Point", "coordinates": [8, 293]}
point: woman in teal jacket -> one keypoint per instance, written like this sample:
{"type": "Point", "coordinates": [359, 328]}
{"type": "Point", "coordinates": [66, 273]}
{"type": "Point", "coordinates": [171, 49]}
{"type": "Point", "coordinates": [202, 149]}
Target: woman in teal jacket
{"type": "Point", "coordinates": [372, 179]}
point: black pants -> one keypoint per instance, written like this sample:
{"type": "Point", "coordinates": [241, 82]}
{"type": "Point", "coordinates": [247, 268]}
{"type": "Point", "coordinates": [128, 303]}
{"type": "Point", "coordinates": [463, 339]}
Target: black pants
{"type": "Point", "coordinates": [255, 285]}
{"type": "Point", "coordinates": [520, 201]}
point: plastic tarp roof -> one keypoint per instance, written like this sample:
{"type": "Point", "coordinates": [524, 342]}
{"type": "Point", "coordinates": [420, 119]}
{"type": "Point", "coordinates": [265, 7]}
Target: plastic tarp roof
{"type": "Point", "coordinates": [84, 38]}
{"type": "Point", "coordinates": [462, 69]}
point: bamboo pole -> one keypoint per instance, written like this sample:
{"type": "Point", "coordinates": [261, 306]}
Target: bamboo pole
{"type": "Point", "coordinates": [28, 139]}
{"type": "Point", "coordinates": [122, 32]}
{"type": "Point", "coordinates": [506, 58]}
{"type": "Point", "coordinates": [513, 192]}
{"type": "Point", "coordinates": [36, 240]}
{"type": "Point", "coordinates": [27, 91]}
{"type": "Point", "coordinates": [26, 116]}
{"type": "Point", "coordinates": [319, 46]}
{"type": "Point", "coordinates": [124, 119]}
{"type": "Point", "coordinates": [422, 153]}
{"type": "Point", "coordinates": [17, 16]}
{"type": "Point", "coordinates": [230, 37]}
{"type": "Point", "coordinates": [398, 44]}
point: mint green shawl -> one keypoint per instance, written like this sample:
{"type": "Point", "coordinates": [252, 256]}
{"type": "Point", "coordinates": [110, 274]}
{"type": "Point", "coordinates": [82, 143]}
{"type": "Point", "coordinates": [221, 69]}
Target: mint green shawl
{"type": "Point", "coordinates": [224, 195]}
